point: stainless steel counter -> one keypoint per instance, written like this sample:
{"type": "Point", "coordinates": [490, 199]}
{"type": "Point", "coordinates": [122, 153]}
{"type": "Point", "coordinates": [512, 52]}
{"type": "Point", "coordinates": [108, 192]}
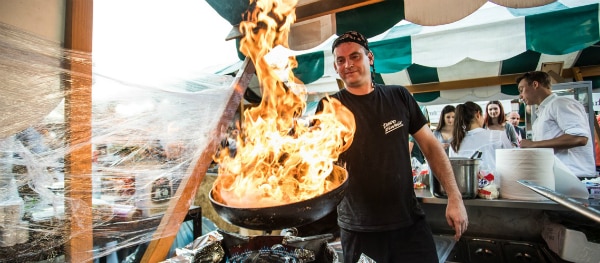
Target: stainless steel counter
{"type": "Point", "coordinates": [500, 218]}
{"type": "Point", "coordinates": [425, 196]}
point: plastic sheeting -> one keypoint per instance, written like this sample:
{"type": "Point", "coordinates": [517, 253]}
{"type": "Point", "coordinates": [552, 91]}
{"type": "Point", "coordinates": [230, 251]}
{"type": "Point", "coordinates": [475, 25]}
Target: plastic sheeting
{"type": "Point", "coordinates": [144, 138]}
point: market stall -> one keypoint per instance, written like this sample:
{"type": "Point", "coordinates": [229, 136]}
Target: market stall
{"type": "Point", "coordinates": [96, 142]}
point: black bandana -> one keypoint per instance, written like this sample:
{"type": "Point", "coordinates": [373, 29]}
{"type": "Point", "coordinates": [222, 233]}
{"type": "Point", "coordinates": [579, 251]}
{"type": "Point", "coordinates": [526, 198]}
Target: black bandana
{"type": "Point", "coordinates": [351, 36]}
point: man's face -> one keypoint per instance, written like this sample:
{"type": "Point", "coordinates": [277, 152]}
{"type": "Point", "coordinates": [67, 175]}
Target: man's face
{"type": "Point", "coordinates": [513, 118]}
{"type": "Point", "coordinates": [352, 64]}
{"type": "Point", "coordinates": [526, 92]}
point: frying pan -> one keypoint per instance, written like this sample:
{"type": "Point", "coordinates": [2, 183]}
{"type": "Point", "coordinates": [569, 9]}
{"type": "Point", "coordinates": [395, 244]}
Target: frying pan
{"type": "Point", "coordinates": [288, 215]}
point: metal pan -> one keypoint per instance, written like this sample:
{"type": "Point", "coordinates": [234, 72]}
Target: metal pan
{"type": "Point", "coordinates": [284, 216]}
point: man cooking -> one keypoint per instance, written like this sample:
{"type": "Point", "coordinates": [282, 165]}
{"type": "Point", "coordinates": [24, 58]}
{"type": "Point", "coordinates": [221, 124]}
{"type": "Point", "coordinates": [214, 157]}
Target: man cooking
{"type": "Point", "coordinates": [379, 216]}
{"type": "Point", "coordinates": [561, 124]}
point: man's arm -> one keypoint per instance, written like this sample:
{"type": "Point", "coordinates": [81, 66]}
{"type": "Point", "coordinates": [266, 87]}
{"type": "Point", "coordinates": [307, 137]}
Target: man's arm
{"type": "Point", "coordinates": [456, 214]}
{"type": "Point", "coordinates": [564, 141]}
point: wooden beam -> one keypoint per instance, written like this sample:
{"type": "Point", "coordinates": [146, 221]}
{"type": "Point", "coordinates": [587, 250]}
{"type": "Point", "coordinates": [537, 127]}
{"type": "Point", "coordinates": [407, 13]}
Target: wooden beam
{"type": "Point", "coordinates": [78, 116]}
{"type": "Point", "coordinates": [463, 84]}
{"type": "Point", "coordinates": [581, 72]}
{"type": "Point", "coordinates": [590, 71]}
{"type": "Point", "coordinates": [179, 205]}
{"type": "Point", "coordinates": [556, 77]}
{"type": "Point", "coordinates": [575, 73]}
{"type": "Point", "coordinates": [321, 8]}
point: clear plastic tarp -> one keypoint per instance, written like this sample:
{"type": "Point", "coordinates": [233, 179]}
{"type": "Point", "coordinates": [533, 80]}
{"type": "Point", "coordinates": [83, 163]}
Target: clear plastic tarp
{"type": "Point", "coordinates": [144, 139]}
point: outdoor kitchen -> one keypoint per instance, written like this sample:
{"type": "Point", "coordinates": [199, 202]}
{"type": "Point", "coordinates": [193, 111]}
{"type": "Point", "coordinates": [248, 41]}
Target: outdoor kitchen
{"type": "Point", "coordinates": [238, 166]}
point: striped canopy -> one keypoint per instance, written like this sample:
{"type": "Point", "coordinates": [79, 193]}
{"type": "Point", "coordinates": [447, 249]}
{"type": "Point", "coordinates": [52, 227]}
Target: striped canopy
{"type": "Point", "coordinates": [493, 40]}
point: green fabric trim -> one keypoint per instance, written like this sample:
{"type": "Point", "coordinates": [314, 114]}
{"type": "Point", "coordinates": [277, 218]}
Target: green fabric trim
{"type": "Point", "coordinates": [426, 96]}
{"type": "Point", "coordinates": [370, 20]}
{"type": "Point", "coordinates": [510, 89]}
{"type": "Point", "coordinates": [311, 67]}
{"type": "Point", "coordinates": [379, 79]}
{"type": "Point", "coordinates": [589, 56]}
{"type": "Point", "coordinates": [524, 62]}
{"type": "Point", "coordinates": [422, 74]}
{"type": "Point", "coordinates": [231, 10]}
{"type": "Point", "coordinates": [564, 31]}
{"type": "Point", "coordinates": [392, 55]}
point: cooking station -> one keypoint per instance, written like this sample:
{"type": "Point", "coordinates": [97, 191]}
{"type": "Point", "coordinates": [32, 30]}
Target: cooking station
{"type": "Point", "coordinates": [502, 230]}
{"type": "Point", "coordinates": [286, 246]}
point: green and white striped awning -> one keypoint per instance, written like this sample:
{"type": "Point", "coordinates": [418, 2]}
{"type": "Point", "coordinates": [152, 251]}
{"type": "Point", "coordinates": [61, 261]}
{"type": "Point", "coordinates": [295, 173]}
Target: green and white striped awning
{"type": "Point", "coordinates": [492, 41]}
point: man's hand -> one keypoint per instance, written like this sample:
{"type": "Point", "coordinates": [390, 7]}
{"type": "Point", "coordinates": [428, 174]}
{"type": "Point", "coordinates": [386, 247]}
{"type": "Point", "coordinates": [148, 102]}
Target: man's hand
{"type": "Point", "coordinates": [456, 216]}
{"type": "Point", "coordinates": [527, 144]}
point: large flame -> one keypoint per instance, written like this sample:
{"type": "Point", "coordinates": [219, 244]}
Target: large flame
{"type": "Point", "coordinates": [280, 158]}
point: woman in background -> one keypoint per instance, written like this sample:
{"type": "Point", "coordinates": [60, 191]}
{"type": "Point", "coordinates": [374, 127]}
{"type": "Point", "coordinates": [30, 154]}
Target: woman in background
{"type": "Point", "coordinates": [469, 136]}
{"type": "Point", "coordinates": [443, 131]}
{"type": "Point", "coordinates": [496, 120]}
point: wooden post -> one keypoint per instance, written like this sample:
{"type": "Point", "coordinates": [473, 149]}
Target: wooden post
{"type": "Point", "coordinates": [78, 117]}
{"type": "Point", "coordinates": [179, 205]}
{"type": "Point", "coordinates": [577, 76]}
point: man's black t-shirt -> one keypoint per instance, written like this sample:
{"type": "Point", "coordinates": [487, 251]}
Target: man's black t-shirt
{"type": "Point", "coordinates": [380, 193]}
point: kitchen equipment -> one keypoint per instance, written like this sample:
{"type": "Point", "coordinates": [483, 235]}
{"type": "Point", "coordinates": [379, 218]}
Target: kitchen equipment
{"type": "Point", "coordinates": [288, 215]}
{"type": "Point", "coordinates": [490, 250]}
{"type": "Point", "coordinates": [286, 247]}
{"type": "Point", "coordinates": [465, 172]}
{"type": "Point", "coordinates": [566, 201]}
{"type": "Point", "coordinates": [223, 246]}
{"type": "Point", "coordinates": [476, 155]}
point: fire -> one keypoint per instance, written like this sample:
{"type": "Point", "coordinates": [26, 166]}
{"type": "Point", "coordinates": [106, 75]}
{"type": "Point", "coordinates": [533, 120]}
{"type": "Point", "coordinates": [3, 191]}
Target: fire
{"type": "Point", "coordinates": [280, 158]}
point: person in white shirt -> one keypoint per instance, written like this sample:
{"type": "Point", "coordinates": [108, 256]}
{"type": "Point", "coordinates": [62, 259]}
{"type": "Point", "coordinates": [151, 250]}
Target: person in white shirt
{"type": "Point", "coordinates": [561, 124]}
{"type": "Point", "coordinates": [470, 136]}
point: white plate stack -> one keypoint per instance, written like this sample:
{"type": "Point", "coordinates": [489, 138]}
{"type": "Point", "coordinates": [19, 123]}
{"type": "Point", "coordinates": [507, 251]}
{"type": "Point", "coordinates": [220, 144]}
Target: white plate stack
{"type": "Point", "coordinates": [534, 165]}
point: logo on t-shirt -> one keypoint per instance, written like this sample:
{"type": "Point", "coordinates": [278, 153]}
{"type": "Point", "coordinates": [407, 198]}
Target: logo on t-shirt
{"type": "Point", "coordinates": [392, 125]}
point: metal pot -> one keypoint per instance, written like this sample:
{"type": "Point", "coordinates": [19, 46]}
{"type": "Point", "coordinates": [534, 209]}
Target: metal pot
{"type": "Point", "coordinates": [285, 216]}
{"type": "Point", "coordinates": [465, 172]}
